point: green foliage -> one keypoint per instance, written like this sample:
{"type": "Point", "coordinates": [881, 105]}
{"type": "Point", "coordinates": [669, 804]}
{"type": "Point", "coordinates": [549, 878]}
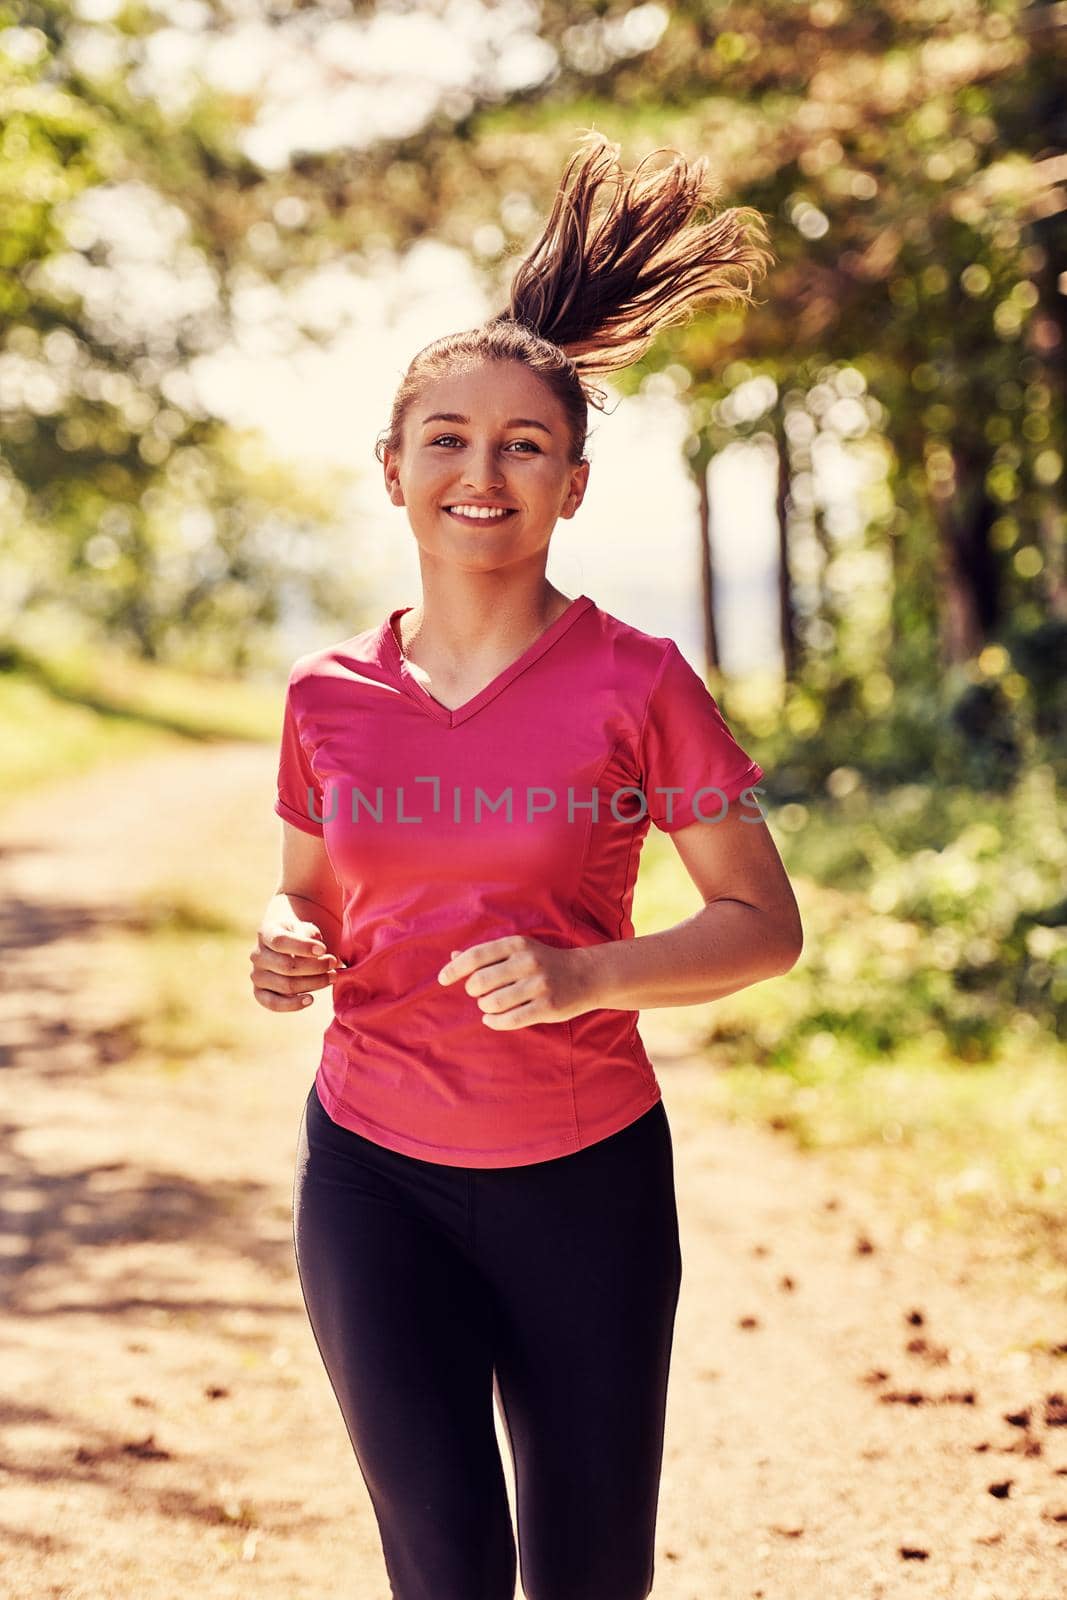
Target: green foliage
{"type": "Point", "coordinates": [940, 917]}
{"type": "Point", "coordinates": [912, 322]}
{"type": "Point", "coordinates": [913, 312]}
{"type": "Point", "coordinates": [921, 1033]}
{"type": "Point", "coordinates": [126, 511]}
{"type": "Point", "coordinates": [982, 723]}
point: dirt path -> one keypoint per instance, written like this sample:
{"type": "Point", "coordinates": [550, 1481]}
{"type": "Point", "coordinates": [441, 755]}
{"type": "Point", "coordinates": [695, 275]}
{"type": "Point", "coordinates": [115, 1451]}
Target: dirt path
{"type": "Point", "coordinates": [852, 1413]}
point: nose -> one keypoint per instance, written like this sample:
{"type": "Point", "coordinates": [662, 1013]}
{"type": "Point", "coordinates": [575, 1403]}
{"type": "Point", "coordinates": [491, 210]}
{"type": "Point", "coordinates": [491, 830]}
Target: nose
{"type": "Point", "coordinates": [482, 471]}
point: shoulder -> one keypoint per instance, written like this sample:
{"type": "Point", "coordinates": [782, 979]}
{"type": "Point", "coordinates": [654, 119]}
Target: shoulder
{"type": "Point", "coordinates": [637, 658]}
{"type": "Point", "coordinates": [666, 696]}
{"type": "Point", "coordinates": [331, 661]}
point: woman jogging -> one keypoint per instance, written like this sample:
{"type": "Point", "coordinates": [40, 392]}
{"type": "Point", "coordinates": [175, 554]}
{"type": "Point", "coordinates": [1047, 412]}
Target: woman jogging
{"type": "Point", "coordinates": [484, 1195]}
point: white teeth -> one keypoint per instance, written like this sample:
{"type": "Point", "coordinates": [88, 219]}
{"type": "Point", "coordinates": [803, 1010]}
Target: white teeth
{"type": "Point", "coordinates": [480, 511]}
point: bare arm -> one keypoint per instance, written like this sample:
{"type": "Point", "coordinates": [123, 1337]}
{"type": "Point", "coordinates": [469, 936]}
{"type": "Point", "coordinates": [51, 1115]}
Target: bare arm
{"type": "Point", "coordinates": [299, 937]}
{"type": "Point", "coordinates": [748, 929]}
{"type": "Point", "coordinates": [306, 882]}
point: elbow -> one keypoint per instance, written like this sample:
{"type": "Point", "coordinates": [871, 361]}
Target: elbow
{"type": "Point", "coordinates": [791, 957]}
{"type": "Point", "coordinates": [793, 948]}
{"type": "Point", "coordinates": [789, 943]}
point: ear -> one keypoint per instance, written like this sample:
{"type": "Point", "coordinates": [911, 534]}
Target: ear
{"type": "Point", "coordinates": [576, 492]}
{"type": "Point", "coordinates": [391, 473]}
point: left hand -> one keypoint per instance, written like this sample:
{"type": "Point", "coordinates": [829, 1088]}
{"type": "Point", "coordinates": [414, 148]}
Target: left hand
{"type": "Point", "coordinates": [518, 981]}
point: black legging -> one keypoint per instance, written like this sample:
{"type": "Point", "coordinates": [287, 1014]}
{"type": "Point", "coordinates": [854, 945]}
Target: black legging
{"type": "Point", "coordinates": [560, 1279]}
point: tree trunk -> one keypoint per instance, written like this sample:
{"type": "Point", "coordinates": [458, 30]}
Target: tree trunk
{"type": "Point", "coordinates": [786, 619]}
{"type": "Point", "coordinates": [1047, 338]}
{"type": "Point", "coordinates": [699, 463]}
{"type": "Point", "coordinates": [970, 602]}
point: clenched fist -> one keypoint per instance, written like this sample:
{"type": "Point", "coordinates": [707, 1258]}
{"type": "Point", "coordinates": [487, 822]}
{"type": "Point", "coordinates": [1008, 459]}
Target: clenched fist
{"type": "Point", "coordinates": [289, 961]}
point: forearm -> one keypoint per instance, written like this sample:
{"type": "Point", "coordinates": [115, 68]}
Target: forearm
{"type": "Point", "coordinates": [309, 910]}
{"type": "Point", "coordinates": [724, 947]}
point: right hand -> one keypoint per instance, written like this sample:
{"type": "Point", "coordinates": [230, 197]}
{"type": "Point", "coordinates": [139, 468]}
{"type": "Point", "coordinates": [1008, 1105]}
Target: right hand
{"type": "Point", "coordinates": [289, 960]}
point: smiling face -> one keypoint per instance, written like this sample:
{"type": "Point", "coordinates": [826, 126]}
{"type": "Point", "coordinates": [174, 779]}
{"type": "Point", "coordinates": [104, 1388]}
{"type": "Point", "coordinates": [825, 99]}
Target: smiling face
{"type": "Point", "coordinates": [493, 435]}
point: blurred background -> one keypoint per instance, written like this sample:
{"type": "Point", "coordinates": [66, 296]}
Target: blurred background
{"type": "Point", "coordinates": [225, 228]}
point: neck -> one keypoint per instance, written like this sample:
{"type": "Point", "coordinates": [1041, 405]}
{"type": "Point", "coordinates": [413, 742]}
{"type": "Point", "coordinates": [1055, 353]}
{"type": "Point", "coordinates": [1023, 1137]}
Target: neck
{"type": "Point", "coordinates": [460, 620]}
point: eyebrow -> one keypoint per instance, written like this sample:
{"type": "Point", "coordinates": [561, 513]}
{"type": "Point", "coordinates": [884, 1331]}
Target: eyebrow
{"type": "Point", "coordinates": [516, 422]}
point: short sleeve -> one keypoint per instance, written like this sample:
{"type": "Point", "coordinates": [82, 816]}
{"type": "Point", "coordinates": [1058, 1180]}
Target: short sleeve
{"type": "Point", "coordinates": [300, 797]}
{"type": "Point", "coordinates": [687, 748]}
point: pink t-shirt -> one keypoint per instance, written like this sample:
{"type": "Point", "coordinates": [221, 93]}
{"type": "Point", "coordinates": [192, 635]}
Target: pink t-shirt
{"type": "Point", "coordinates": [521, 811]}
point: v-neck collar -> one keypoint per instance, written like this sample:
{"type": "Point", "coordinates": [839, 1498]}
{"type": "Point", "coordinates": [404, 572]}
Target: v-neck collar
{"type": "Point", "coordinates": [452, 717]}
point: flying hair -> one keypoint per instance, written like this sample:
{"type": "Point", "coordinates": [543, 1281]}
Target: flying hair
{"type": "Point", "coordinates": [598, 286]}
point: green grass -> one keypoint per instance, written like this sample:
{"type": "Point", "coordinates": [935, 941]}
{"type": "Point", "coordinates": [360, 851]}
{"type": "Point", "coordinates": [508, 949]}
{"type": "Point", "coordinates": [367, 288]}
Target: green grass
{"type": "Point", "coordinates": [198, 1008]}
{"type": "Point", "coordinates": [63, 714]}
{"type": "Point", "coordinates": [919, 1039]}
